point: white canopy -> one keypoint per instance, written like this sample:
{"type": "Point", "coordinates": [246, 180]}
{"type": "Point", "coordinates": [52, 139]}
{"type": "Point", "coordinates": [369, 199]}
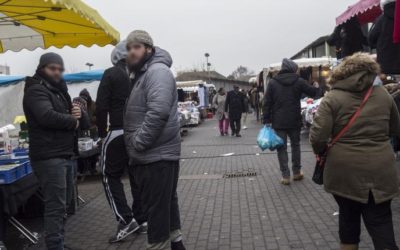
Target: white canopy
{"type": "Point", "coordinates": [193, 86]}
{"type": "Point", "coordinates": [11, 98]}
{"type": "Point", "coordinates": [307, 62]}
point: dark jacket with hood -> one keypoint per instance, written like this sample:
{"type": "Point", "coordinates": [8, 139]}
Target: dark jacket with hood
{"type": "Point", "coordinates": [90, 107]}
{"type": "Point", "coordinates": [151, 125]}
{"type": "Point", "coordinates": [112, 94]}
{"type": "Point", "coordinates": [381, 38]}
{"type": "Point", "coordinates": [362, 161]}
{"type": "Point", "coordinates": [234, 104]}
{"type": "Point", "coordinates": [51, 127]}
{"type": "Point", "coordinates": [282, 107]}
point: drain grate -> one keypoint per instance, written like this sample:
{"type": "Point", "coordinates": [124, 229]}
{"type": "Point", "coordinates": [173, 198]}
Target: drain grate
{"type": "Point", "coordinates": [200, 177]}
{"type": "Point", "coordinates": [246, 173]}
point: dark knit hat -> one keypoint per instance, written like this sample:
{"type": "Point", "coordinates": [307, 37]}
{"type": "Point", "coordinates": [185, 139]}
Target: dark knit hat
{"type": "Point", "coordinates": [289, 66]}
{"type": "Point", "coordinates": [140, 36]}
{"type": "Point", "coordinates": [50, 58]}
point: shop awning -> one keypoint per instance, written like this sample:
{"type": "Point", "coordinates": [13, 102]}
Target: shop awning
{"type": "Point", "coordinates": [366, 11]}
{"type": "Point", "coordinates": [93, 75]}
{"type": "Point", "coordinates": [31, 24]}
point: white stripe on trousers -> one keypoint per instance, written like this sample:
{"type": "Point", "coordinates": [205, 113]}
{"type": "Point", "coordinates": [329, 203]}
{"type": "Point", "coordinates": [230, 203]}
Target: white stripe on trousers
{"type": "Point", "coordinates": [109, 138]}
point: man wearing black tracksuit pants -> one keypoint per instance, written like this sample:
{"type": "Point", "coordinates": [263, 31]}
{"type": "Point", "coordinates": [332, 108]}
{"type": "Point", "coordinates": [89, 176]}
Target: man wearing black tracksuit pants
{"type": "Point", "coordinates": [113, 91]}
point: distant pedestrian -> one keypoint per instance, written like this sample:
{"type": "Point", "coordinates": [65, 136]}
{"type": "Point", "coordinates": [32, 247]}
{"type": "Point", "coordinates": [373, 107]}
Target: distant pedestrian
{"type": "Point", "coordinates": [246, 110]}
{"type": "Point", "coordinates": [282, 110]}
{"type": "Point", "coordinates": [91, 110]}
{"type": "Point", "coordinates": [113, 91]}
{"type": "Point", "coordinates": [219, 105]}
{"type": "Point", "coordinates": [152, 136]}
{"type": "Point", "coordinates": [360, 169]}
{"type": "Point", "coordinates": [234, 106]}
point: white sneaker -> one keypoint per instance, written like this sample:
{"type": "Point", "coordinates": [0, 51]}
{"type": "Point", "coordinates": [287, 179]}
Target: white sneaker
{"type": "Point", "coordinates": [244, 127]}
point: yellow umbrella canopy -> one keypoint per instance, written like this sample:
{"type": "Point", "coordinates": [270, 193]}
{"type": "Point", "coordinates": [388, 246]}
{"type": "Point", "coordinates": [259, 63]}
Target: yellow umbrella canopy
{"type": "Point", "coordinates": [30, 24]}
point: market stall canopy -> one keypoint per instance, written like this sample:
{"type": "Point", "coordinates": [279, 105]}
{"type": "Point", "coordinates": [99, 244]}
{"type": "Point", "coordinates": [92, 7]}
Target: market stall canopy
{"type": "Point", "coordinates": [93, 75]}
{"type": "Point", "coordinates": [307, 62]}
{"type": "Point", "coordinates": [31, 24]}
{"type": "Point", "coordinates": [366, 11]}
{"type": "Point", "coordinates": [12, 92]}
{"type": "Point", "coordinates": [193, 86]}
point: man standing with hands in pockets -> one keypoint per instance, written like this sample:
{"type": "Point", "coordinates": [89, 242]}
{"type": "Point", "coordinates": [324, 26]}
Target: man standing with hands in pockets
{"type": "Point", "coordinates": [52, 122]}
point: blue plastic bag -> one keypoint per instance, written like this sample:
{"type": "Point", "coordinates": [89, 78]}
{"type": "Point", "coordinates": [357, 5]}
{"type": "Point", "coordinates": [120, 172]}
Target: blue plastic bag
{"type": "Point", "coordinates": [268, 139]}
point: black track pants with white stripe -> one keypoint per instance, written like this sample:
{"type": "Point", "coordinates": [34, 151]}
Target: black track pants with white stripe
{"type": "Point", "coordinates": [115, 162]}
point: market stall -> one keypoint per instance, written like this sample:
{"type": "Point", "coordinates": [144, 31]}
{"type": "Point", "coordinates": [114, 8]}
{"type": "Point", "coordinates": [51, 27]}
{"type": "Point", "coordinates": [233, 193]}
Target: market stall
{"type": "Point", "coordinates": [319, 69]}
{"type": "Point", "coordinates": [12, 91]}
{"type": "Point", "coordinates": [317, 72]}
{"type": "Point", "coordinates": [366, 11]}
{"type": "Point", "coordinates": [194, 97]}
{"type": "Point", "coordinates": [30, 25]}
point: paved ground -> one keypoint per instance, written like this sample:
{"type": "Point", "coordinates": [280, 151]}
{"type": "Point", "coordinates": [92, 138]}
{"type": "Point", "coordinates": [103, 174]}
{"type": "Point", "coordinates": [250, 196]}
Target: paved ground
{"type": "Point", "coordinates": [236, 213]}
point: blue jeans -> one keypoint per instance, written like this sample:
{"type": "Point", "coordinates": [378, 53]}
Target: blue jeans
{"type": "Point", "coordinates": [54, 176]}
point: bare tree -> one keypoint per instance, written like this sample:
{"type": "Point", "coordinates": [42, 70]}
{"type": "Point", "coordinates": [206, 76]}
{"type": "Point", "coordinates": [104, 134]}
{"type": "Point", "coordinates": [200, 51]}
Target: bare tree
{"type": "Point", "coordinates": [241, 73]}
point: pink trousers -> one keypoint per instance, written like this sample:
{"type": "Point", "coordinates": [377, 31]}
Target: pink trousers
{"type": "Point", "coordinates": [223, 125]}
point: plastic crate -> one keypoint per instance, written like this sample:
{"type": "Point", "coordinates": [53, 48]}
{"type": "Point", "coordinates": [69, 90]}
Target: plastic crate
{"type": "Point", "coordinates": [20, 170]}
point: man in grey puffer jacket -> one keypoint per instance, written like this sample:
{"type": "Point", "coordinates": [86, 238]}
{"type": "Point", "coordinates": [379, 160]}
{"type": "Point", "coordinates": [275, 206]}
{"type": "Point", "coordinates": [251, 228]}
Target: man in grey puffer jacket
{"type": "Point", "coordinates": [152, 136]}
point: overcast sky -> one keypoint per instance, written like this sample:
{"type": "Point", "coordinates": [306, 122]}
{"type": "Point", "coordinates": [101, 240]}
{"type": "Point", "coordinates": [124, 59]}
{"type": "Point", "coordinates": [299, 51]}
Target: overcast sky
{"type": "Point", "coordinates": [252, 33]}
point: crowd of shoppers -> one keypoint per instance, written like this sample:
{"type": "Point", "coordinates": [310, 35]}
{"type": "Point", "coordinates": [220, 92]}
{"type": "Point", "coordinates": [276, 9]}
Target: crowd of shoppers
{"type": "Point", "coordinates": [136, 117]}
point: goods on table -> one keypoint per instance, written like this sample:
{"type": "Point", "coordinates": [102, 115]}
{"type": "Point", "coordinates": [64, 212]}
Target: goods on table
{"type": "Point", "coordinates": [85, 144]}
{"type": "Point", "coordinates": [309, 108]}
{"type": "Point", "coordinates": [14, 166]}
{"type": "Point", "coordinates": [190, 113]}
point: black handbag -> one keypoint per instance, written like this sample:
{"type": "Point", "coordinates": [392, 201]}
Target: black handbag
{"type": "Point", "coordinates": [318, 176]}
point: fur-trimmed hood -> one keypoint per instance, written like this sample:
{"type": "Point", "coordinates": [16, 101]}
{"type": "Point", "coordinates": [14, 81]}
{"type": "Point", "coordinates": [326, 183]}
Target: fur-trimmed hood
{"type": "Point", "coordinates": [356, 73]}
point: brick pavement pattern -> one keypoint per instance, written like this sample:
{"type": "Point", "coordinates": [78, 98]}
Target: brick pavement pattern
{"type": "Point", "coordinates": [237, 213]}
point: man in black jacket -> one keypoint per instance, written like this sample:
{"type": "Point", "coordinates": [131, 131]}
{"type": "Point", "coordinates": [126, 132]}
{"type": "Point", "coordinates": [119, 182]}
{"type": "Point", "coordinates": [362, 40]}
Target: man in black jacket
{"type": "Point", "coordinates": [52, 123]}
{"type": "Point", "coordinates": [381, 38]}
{"type": "Point", "coordinates": [235, 106]}
{"type": "Point", "coordinates": [112, 94]}
{"type": "Point", "coordinates": [282, 110]}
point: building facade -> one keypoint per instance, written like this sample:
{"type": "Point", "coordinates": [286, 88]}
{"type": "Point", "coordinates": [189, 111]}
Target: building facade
{"type": "Point", "coordinates": [318, 48]}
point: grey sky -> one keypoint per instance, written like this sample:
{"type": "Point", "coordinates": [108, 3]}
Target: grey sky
{"type": "Point", "coordinates": [252, 33]}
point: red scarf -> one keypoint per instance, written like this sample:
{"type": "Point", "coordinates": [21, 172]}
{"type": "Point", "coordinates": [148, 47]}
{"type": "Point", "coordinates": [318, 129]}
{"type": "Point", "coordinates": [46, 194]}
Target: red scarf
{"type": "Point", "coordinates": [396, 32]}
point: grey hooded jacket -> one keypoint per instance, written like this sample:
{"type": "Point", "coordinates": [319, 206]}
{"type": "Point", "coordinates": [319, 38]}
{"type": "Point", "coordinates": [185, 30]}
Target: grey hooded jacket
{"type": "Point", "coordinates": [151, 126]}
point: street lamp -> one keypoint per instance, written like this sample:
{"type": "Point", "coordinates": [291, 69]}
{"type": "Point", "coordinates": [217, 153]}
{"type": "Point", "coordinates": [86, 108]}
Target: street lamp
{"type": "Point", "coordinates": [207, 55]}
{"type": "Point", "coordinates": [90, 65]}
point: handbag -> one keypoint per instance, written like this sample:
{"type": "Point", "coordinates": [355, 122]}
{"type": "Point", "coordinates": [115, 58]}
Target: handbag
{"type": "Point", "coordinates": [318, 176]}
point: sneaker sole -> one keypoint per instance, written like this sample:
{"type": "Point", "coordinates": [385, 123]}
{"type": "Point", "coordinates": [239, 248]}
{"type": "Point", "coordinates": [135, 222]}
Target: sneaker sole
{"type": "Point", "coordinates": [126, 235]}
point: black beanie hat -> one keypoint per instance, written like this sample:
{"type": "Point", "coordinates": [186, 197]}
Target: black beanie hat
{"type": "Point", "coordinates": [50, 58]}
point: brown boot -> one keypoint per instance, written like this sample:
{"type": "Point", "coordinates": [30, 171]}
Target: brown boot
{"type": "Point", "coordinates": [348, 247]}
{"type": "Point", "coordinates": [285, 181]}
{"type": "Point", "coordinates": [298, 177]}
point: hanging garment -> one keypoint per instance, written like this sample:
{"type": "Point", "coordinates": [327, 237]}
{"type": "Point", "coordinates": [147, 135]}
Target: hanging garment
{"type": "Point", "coordinates": [396, 33]}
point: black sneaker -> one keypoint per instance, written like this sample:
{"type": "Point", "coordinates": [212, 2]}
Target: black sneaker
{"type": "Point", "coordinates": [238, 135]}
{"type": "Point", "coordinates": [124, 231]}
{"type": "Point", "coordinates": [177, 246]}
{"type": "Point", "coordinates": [2, 246]}
{"type": "Point", "coordinates": [142, 228]}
